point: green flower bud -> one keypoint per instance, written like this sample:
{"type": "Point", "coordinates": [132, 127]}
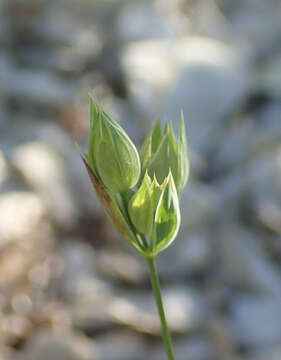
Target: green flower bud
{"type": "Point", "coordinates": [143, 204]}
{"type": "Point", "coordinates": [154, 211]}
{"type": "Point", "coordinates": [112, 156]}
{"type": "Point", "coordinates": [161, 153]}
{"type": "Point", "coordinates": [167, 216]}
{"type": "Point", "coordinates": [165, 157]}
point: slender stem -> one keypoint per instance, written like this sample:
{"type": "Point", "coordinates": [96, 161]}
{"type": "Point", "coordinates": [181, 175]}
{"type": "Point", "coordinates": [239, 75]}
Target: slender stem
{"type": "Point", "coordinates": [158, 298]}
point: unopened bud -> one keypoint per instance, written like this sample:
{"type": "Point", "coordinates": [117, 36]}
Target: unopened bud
{"type": "Point", "coordinates": [112, 155]}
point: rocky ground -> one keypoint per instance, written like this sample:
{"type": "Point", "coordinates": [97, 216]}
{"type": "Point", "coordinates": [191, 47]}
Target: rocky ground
{"type": "Point", "coordinates": [70, 288]}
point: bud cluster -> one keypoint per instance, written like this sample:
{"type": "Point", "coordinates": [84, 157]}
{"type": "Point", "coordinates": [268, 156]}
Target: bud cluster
{"type": "Point", "coordinates": [140, 194]}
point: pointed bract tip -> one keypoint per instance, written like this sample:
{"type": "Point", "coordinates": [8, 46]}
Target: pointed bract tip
{"type": "Point", "coordinates": [169, 179]}
{"type": "Point", "coordinates": [158, 122]}
{"type": "Point", "coordinates": [182, 115]}
{"type": "Point", "coordinates": [154, 181]}
{"type": "Point", "coordinates": [147, 177]}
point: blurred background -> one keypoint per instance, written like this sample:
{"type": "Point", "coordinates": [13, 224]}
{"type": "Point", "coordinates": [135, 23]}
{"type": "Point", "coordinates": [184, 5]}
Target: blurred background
{"type": "Point", "coordinates": [70, 288]}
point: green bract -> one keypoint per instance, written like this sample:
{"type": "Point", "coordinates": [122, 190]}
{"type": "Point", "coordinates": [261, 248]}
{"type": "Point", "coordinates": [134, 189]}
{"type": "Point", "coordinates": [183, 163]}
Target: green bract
{"type": "Point", "coordinates": [142, 206]}
{"type": "Point", "coordinates": [167, 216]}
{"type": "Point", "coordinates": [161, 153]}
{"type": "Point", "coordinates": [112, 155]}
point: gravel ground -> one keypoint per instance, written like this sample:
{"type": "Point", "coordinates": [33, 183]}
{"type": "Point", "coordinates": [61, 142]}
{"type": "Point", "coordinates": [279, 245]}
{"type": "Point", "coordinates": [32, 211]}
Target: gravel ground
{"type": "Point", "coordinates": [70, 288]}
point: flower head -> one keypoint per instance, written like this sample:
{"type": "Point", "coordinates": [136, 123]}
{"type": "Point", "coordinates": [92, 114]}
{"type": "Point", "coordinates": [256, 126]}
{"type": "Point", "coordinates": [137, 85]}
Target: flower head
{"type": "Point", "coordinates": [142, 203]}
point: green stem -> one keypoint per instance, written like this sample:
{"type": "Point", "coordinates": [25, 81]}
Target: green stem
{"type": "Point", "coordinates": [158, 298]}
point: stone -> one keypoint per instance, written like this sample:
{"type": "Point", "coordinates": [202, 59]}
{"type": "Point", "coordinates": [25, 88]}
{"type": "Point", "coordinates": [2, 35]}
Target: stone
{"type": "Point", "coordinates": [143, 20]}
{"type": "Point", "coordinates": [203, 17]}
{"type": "Point", "coordinates": [57, 145]}
{"type": "Point", "coordinates": [3, 168]}
{"type": "Point", "coordinates": [191, 348]}
{"type": "Point", "coordinates": [21, 304]}
{"type": "Point", "coordinates": [44, 170]}
{"type": "Point", "coordinates": [4, 34]}
{"type": "Point", "coordinates": [232, 189]}
{"type": "Point", "coordinates": [26, 240]}
{"type": "Point", "coordinates": [212, 83]}
{"type": "Point", "coordinates": [199, 205]}
{"type": "Point", "coordinates": [14, 328]}
{"type": "Point", "coordinates": [221, 336]}
{"type": "Point", "coordinates": [248, 139]}
{"type": "Point", "coordinates": [3, 118]}
{"type": "Point", "coordinates": [36, 129]}
{"type": "Point", "coordinates": [121, 345]}
{"type": "Point", "coordinates": [86, 45]}
{"type": "Point", "coordinates": [79, 279]}
{"type": "Point", "coordinates": [268, 125]}
{"type": "Point", "coordinates": [244, 19]}
{"type": "Point", "coordinates": [61, 60]}
{"type": "Point", "coordinates": [244, 263]}
{"type": "Point", "coordinates": [269, 76]}
{"type": "Point", "coordinates": [60, 145]}
{"type": "Point", "coordinates": [185, 309]}
{"type": "Point", "coordinates": [256, 321]}
{"type": "Point", "coordinates": [7, 353]}
{"type": "Point", "coordinates": [149, 74]}
{"type": "Point", "coordinates": [203, 77]}
{"type": "Point", "coordinates": [54, 315]}
{"type": "Point", "coordinates": [56, 25]}
{"type": "Point", "coordinates": [233, 150]}
{"type": "Point", "coordinates": [46, 345]}
{"type": "Point", "coordinates": [21, 214]}
{"type": "Point", "coordinates": [91, 319]}
{"type": "Point", "coordinates": [193, 253]}
{"type": "Point", "coordinates": [271, 353]}
{"type": "Point", "coordinates": [195, 348]}
{"type": "Point", "coordinates": [123, 266]}
{"type": "Point", "coordinates": [266, 190]}
{"type": "Point", "coordinates": [5, 73]}
{"type": "Point", "coordinates": [40, 87]}
{"type": "Point", "coordinates": [255, 179]}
